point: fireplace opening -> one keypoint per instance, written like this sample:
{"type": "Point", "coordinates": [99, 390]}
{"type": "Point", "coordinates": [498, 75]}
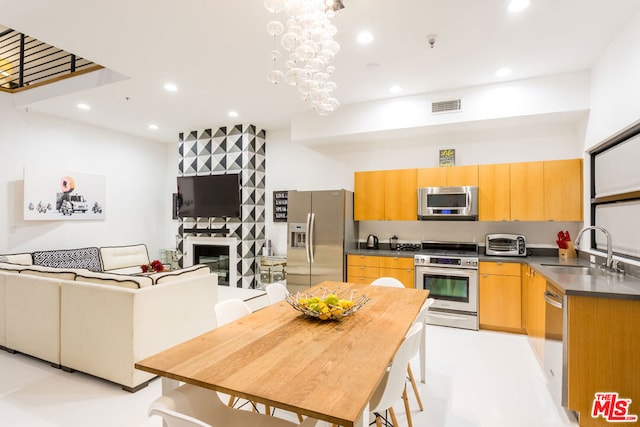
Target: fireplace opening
{"type": "Point", "coordinates": [216, 257]}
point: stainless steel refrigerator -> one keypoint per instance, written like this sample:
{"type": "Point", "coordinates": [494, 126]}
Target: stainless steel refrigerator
{"type": "Point", "coordinates": [320, 229]}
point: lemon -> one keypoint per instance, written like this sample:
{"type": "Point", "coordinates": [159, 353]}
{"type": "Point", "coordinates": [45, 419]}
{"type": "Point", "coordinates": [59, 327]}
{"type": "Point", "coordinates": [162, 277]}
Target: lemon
{"type": "Point", "coordinates": [345, 304]}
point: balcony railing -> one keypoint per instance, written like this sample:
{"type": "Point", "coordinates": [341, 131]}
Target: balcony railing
{"type": "Point", "coordinates": [26, 62]}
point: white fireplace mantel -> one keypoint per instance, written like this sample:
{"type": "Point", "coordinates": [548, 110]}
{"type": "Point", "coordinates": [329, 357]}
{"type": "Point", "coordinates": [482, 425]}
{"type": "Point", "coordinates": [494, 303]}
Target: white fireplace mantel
{"type": "Point", "coordinates": [230, 242]}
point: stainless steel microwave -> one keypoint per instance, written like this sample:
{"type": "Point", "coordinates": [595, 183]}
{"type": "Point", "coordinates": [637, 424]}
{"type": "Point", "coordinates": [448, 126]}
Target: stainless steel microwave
{"type": "Point", "coordinates": [448, 203]}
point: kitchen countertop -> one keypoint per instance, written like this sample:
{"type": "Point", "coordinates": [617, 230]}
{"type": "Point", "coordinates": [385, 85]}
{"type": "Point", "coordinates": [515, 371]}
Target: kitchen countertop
{"type": "Point", "coordinates": [572, 280]}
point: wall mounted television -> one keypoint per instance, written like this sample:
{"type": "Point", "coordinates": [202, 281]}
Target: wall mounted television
{"type": "Point", "coordinates": [208, 196]}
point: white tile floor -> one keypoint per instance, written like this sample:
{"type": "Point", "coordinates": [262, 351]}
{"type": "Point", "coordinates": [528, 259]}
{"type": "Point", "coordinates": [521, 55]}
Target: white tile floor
{"type": "Point", "coordinates": [474, 379]}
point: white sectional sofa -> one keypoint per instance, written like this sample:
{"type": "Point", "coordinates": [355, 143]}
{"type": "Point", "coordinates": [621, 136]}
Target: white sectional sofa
{"type": "Point", "coordinates": [101, 322]}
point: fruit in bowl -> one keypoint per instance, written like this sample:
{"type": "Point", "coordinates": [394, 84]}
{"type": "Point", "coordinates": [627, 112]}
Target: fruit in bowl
{"type": "Point", "coordinates": [327, 304]}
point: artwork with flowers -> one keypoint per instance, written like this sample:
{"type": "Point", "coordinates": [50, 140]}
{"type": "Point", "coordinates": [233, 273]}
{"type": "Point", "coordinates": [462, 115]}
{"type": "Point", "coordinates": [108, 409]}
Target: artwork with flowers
{"type": "Point", "coordinates": [63, 195]}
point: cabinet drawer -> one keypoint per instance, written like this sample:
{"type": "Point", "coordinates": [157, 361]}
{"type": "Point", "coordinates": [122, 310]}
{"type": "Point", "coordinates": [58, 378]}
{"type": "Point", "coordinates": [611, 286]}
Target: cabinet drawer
{"type": "Point", "coordinates": [363, 270]}
{"type": "Point", "coordinates": [360, 279]}
{"type": "Point", "coordinates": [396, 262]}
{"type": "Point", "coordinates": [363, 260]}
{"type": "Point", "coordinates": [500, 268]}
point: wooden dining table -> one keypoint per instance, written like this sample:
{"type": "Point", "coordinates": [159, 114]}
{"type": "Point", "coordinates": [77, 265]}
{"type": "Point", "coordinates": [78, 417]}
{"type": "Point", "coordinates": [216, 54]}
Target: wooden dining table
{"type": "Point", "coordinates": [280, 357]}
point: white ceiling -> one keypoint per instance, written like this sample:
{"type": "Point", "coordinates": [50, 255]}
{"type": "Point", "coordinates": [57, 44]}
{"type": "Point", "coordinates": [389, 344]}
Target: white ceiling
{"type": "Point", "coordinates": [218, 53]}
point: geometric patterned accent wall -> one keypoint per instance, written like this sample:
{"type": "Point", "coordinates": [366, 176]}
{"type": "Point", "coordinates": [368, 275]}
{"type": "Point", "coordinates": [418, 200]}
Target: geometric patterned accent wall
{"type": "Point", "coordinates": [236, 149]}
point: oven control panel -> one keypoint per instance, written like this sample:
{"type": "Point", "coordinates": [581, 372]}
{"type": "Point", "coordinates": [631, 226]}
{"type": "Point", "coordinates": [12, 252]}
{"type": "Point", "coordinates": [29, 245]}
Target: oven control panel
{"type": "Point", "coordinates": [444, 261]}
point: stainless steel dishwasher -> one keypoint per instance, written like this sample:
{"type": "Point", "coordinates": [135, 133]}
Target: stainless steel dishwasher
{"type": "Point", "coordinates": [555, 361]}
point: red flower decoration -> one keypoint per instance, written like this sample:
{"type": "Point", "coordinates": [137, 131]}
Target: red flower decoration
{"type": "Point", "coordinates": [154, 267]}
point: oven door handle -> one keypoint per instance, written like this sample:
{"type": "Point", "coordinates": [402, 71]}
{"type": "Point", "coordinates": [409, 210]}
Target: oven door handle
{"type": "Point", "coordinates": [446, 316]}
{"type": "Point", "coordinates": [468, 272]}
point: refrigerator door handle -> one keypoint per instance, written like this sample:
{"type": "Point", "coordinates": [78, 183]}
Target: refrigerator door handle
{"type": "Point", "coordinates": [307, 236]}
{"type": "Point", "coordinates": [312, 235]}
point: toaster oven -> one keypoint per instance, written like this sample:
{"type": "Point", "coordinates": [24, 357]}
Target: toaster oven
{"type": "Point", "coordinates": [506, 245]}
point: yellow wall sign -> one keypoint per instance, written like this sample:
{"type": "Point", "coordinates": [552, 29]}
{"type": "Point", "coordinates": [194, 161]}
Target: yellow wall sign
{"type": "Point", "coordinates": [448, 157]}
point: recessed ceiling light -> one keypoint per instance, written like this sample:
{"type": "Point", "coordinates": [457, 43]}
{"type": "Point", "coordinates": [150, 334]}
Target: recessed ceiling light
{"type": "Point", "coordinates": [232, 114]}
{"type": "Point", "coordinates": [170, 87]}
{"type": "Point", "coordinates": [395, 89]}
{"type": "Point", "coordinates": [503, 72]}
{"type": "Point", "coordinates": [83, 106]}
{"type": "Point", "coordinates": [364, 37]}
{"type": "Point", "coordinates": [153, 126]}
{"type": "Point", "coordinates": [518, 5]}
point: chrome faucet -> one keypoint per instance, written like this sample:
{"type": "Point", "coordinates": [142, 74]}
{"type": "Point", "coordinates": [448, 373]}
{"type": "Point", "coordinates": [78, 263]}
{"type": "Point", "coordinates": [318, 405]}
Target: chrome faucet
{"type": "Point", "coordinates": [609, 263]}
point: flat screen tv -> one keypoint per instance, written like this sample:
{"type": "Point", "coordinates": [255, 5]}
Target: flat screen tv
{"type": "Point", "coordinates": [208, 196]}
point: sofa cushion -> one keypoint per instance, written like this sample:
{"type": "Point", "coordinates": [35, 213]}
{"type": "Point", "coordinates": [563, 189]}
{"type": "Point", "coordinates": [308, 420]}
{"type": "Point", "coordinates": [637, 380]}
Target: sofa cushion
{"type": "Point", "coordinates": [88, 258]}
{"type": "Point", "coordinates": [42, 271]}
{"type": "Point", "coordinates": [112, 279]}
{"type": "Point", "coordinates": [119, 257]}
{"type": "Point", "coordinates": [183, 273]}
{"type": "Point", "coordinates": [11, 268]}
{"type": "Point", "coordinates": [21, 259]}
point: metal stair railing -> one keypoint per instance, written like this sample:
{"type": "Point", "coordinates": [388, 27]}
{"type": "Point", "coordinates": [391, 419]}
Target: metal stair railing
{"type": "Point", "coordinates": [26, 62]}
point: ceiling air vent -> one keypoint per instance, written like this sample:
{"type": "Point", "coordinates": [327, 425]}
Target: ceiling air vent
{"type": "Point", "coordinates": [446, 106]}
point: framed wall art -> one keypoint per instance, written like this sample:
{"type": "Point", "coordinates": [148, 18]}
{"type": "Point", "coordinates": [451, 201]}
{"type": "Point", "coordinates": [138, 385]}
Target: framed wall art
{"type": "Point", "coordinates": [63, 195]}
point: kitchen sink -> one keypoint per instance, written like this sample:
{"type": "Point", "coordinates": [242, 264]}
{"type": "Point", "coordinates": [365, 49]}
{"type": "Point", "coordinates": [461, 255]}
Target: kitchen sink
{"type": "Point", "coordinates": [572, 268]}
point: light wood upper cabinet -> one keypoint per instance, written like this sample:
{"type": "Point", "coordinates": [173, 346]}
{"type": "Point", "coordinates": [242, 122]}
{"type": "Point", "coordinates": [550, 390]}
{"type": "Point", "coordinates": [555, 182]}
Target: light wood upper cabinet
{"type": "Point", "coordinates": [494, 198]}
{"type": "Point", "coordinates": [368, 195]}
{"type": "Point", "coordinates": [563, 190]}
{"type": "Point", "coordinates": [401, 195]}
{"type": "Point", "coordinates": [448, 176]}
{"type": "Point", "coordinates": [527, 192]}
{"type": "Point", "coordinates": [431, 177]}
{"type": "Point", "coordinates": [462, 175]}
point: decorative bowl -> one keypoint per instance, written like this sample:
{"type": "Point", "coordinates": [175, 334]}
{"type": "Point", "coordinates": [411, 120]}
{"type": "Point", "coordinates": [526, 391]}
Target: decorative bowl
{"type": "Point", "coordinates": [327, 304]}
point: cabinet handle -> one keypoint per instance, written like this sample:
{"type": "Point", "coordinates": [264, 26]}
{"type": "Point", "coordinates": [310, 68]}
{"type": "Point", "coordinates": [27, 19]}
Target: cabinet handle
{"type": "Point", "coordinates": [484, 275]}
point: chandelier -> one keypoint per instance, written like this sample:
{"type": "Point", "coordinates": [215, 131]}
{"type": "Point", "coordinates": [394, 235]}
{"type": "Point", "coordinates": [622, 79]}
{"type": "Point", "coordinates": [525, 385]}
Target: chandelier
{"type": "Point", "coordinates": [308, 39]}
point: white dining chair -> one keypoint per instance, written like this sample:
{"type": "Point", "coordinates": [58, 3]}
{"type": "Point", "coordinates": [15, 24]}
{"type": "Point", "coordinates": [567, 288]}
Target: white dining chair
{"type": "Point", "coordinates": [420, 350]}
{"type": "Point", "coordinates": [387, 281]}
{"type": "Point", "coordinates": [192, 406]}
{"type": "Point", "coordinates": [393, 384]}
{"type": "Point", "coordinates": [276, 292]}
{"type": "Point", "coordinates": [226, 312]}
{"type": "Point", "coordinates": [423, 342]}
{"type": "Point", "coordinates": [230, 309]}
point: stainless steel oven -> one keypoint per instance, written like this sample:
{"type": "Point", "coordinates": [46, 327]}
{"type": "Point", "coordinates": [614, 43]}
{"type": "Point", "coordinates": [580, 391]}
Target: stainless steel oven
{"type": "Point", "coordinates": [449, 271]}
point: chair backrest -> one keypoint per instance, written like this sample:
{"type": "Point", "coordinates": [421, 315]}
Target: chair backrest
{"type": "Point", "coordinates": [192, 406]}
{"type": "Point", "coordinates": [391, 282]}
{"type": "Point", "coordinates": [424, 311]}
{"type": "Point", "coordinates": [231, 309]}
{"type": "Point", "coordinates": [276, 292]}
{"type": "Point", "coordinates": [397, 374]}
{"type": "Point", "coordinates": [175, 419]}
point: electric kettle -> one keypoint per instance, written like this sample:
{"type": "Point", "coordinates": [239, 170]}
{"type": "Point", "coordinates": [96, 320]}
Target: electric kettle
{"type": "Point", "coordinates": [372, 242]}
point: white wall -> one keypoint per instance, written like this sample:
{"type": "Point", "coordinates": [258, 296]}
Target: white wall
{"type": "Point", "coordinates": [139, 176]}
{"type": "Point", "coordinates": [615, 86]}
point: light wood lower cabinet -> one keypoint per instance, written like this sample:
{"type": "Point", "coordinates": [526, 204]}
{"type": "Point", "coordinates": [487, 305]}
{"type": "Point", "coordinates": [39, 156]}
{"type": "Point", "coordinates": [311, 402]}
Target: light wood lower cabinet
{"type": "Point", "coordinates": [362, 268]}
{"type": "Point", "coordinates": [500, 296]}
{"type": "Point", "coordinates": [399, 268]}
{"type": "Point", "coordinates": [366, 268]}
{"type": "Point", "coordinates": [535, 286]}
{"type": "Point", "coordinates": [603, 353]}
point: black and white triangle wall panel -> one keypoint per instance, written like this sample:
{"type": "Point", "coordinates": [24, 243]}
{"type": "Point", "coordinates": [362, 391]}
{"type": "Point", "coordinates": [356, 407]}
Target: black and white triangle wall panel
{"type": "Point", "coordinates": [230, 149]}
